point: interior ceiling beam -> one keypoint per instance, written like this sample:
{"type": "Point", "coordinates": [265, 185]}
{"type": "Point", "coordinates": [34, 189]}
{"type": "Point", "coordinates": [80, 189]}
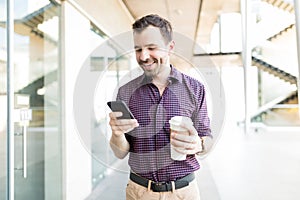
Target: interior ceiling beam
{"type": "Point", "coordinates": [194, 20]}
{"type": "Point", "coordinates": [129, 9]}
{"type": "Point", "coordinates": [198, 21]}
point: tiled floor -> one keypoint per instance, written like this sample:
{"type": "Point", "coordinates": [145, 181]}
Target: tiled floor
{"type": "Point", "coordinates": [263, 164]}
{"type": "Point", "coordinates": [260, 165]}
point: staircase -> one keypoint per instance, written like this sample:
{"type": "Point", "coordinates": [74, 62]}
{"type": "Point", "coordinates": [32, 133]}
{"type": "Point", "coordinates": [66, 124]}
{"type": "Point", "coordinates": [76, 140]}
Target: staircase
{"type": "Point", "coordinates": [273, 58]}
{"type": "Point", "coordinates": [281, 5]}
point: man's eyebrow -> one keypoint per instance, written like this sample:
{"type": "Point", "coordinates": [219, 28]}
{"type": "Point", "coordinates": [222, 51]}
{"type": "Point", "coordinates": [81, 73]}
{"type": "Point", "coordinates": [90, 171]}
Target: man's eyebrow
{"type": "Point", "coordinates": [150, 45]}
{"type": "Point", "coordinates": [147, 45]}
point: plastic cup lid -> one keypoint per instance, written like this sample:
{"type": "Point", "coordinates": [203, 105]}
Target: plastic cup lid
{"type": "Point", "coordinates": [178, 120]}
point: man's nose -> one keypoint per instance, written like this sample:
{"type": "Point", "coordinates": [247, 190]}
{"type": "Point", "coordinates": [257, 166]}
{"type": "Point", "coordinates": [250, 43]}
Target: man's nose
{"type": "Point", "coordinates": [144, 55]}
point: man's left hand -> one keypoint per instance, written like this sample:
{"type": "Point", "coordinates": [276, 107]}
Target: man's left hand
{"type": "Point", "coordinates": [187, 144]}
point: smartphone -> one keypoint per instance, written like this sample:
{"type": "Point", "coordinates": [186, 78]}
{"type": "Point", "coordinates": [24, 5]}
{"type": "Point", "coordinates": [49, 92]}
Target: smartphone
{"type": "Point", "coordinates": [120, 106]}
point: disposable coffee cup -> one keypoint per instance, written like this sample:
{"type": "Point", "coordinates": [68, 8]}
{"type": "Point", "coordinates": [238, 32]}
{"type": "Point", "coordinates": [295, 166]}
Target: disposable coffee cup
{"type": "Point", "coordinates": [176, 126]}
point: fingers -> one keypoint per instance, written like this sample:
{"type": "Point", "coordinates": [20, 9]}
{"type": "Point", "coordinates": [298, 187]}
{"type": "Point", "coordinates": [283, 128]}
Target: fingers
{"type": "Point", "coordinates": [191, 129]}
{"type": "Point", "coordinates": [115, 115]}
{"type": "Point", "coordinates": [185, 144]}
{"type": "Point", "coordinates": [184, 141]}
{"type": "Point", "coordinates": [121, 126]}
{"type": "Point", "coordinates": [184, 138]}
{"type": "Point", "coordinates": [185, 151]}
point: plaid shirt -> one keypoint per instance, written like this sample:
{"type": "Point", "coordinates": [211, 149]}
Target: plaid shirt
{"type": "Point", "coordinates": [150, 142]}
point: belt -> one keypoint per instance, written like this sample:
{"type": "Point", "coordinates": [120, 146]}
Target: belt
{"type": "Point", "coordinates": [162, 186]}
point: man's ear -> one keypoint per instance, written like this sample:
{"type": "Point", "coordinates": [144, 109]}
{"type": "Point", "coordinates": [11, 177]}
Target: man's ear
{"type": "Point", "coordinates": [171, 46]}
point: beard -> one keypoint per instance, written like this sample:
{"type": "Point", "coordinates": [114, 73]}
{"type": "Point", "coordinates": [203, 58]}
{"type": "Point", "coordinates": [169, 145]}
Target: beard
{"type": "Point", "coordinates": [152, 70]}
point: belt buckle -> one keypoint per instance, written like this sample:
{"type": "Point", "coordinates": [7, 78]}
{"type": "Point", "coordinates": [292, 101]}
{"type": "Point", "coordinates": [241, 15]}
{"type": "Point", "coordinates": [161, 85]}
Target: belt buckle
{"type": "Point", "coordinates": [159, 183]}
{"type": "Point", "coordinates": [159, 186]}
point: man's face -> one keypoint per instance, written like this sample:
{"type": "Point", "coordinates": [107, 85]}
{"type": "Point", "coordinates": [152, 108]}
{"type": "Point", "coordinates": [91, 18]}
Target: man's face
{"type": "Point", "coordinates": [152, 54]}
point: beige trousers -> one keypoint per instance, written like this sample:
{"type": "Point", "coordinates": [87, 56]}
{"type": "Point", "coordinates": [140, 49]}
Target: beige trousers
{"type": "Point", "coordinates": [135, 191]}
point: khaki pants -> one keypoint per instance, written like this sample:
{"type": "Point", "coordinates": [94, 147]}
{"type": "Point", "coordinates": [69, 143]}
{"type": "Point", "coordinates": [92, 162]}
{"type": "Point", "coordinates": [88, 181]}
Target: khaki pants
{"type": "Point", "coordinates": [135, 191]}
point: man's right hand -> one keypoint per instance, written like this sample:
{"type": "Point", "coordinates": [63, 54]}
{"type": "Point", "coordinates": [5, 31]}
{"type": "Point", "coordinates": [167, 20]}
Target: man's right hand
{"type": "Point", "coordinates": [121, 126]}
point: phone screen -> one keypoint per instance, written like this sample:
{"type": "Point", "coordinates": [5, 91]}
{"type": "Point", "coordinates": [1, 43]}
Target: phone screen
{"type": "Point", "coordinates": [120, 106]}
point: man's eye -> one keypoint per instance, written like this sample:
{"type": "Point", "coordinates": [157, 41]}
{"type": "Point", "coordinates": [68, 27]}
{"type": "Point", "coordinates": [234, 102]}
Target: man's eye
{"type": "Point", "coordinates": [138, 50]}
{"type": "Point", "coordinates": [152, 48]}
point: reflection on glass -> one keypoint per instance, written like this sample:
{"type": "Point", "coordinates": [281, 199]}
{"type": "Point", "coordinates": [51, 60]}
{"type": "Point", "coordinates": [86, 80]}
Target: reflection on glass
{"type": "Point", "coordinates": [111, 69]}
{"type": "Point", "coordinates": [37, 139]}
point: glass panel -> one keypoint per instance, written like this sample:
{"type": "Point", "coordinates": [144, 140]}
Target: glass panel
{"type": "Point", "coordinates": [25, 8]}
{"type": "Point", "coordinates": [37, 100]}
{"type": "Point", "coordinates": [110, 67]}
{"type": "Point", "coordinates": [114, 69]}
{"type": "Point", "coordinates": [102, 156]}
{"type": "Point", "coordinates": [3, 104]}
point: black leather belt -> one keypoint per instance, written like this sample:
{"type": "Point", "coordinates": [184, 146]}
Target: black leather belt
{"type": "Point", "coordinates": [162, 186]}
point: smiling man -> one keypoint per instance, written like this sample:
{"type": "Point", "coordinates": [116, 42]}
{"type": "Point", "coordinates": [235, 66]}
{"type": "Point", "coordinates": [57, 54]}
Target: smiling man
{"type": "Point", "coordinates": [161, 93]}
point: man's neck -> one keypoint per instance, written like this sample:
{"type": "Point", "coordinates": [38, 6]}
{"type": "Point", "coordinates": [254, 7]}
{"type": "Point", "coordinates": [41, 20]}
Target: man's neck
{"type": "Point", "coordinates": [162, 77]}
{"type": "Point", "coordinates": [161, 80]}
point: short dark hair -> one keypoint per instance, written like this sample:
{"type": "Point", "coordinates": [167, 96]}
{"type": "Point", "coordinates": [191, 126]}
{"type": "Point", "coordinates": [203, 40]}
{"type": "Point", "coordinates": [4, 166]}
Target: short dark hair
{"type": "Point", "coordinates": [154, 20]}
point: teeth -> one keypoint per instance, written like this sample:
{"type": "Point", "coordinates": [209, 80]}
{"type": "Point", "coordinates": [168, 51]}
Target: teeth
{"type": "Point", "coordinates": [148, 65]}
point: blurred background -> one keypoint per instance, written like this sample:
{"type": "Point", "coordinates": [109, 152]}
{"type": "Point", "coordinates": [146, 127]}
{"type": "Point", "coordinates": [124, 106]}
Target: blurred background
{"type": "Point", "coordinates": [62, 60]}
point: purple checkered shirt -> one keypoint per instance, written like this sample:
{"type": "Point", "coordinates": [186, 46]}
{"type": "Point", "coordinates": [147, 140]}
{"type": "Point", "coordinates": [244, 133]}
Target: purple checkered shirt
{"type": "Point", "coordinates": [150, 142]}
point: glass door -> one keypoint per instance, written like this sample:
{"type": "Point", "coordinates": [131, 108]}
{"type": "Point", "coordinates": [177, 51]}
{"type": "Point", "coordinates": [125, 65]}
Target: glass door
{"type": "Point", "coordinates": [37, 133]}
{"type": "Point", "coordinates": [3, 104]}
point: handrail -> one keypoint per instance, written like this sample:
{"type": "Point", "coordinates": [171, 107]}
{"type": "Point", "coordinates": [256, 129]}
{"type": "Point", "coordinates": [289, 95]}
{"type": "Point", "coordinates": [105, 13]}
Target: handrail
{"type": "Point", "coordinates": [271, 104]}
{"type": "Point", "coordinates": [289, 77]}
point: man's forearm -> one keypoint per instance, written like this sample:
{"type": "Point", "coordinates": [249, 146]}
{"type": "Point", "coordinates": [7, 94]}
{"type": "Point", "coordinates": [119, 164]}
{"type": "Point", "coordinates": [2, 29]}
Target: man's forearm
{"type": "Point", "coordinates": [119, 145]}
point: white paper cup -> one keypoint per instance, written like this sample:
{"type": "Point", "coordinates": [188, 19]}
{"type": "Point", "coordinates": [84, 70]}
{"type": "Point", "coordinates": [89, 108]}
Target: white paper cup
{"type": "Point", "coordinates": [175, 126]}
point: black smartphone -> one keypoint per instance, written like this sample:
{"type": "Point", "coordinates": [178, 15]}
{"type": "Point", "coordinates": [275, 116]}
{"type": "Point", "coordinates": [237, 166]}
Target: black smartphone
{"type": "Point", "coordinates": [120, 106]}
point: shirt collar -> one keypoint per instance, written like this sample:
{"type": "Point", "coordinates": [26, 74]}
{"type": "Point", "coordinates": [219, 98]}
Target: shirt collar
{"type": "Point", "coordinates": [174, 76]}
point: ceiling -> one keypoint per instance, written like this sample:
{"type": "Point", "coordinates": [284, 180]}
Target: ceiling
{"type": "Point", "coordinates": [184, 15]}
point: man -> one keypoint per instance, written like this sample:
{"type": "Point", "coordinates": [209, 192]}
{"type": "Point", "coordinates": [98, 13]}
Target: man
{"type": "Point", "coordinates": [154, 98]}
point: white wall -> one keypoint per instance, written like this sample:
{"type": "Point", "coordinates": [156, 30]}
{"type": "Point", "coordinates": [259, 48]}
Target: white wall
{"type": "Point", "coordinates": [109, 14]}
{"type": "Point", "coordinates": [76, 158]}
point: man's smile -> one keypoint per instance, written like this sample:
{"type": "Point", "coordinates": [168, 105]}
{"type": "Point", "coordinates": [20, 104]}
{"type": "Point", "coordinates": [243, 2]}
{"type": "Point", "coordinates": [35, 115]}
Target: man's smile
{"type": "Point", "coordinates": [147, 66]}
